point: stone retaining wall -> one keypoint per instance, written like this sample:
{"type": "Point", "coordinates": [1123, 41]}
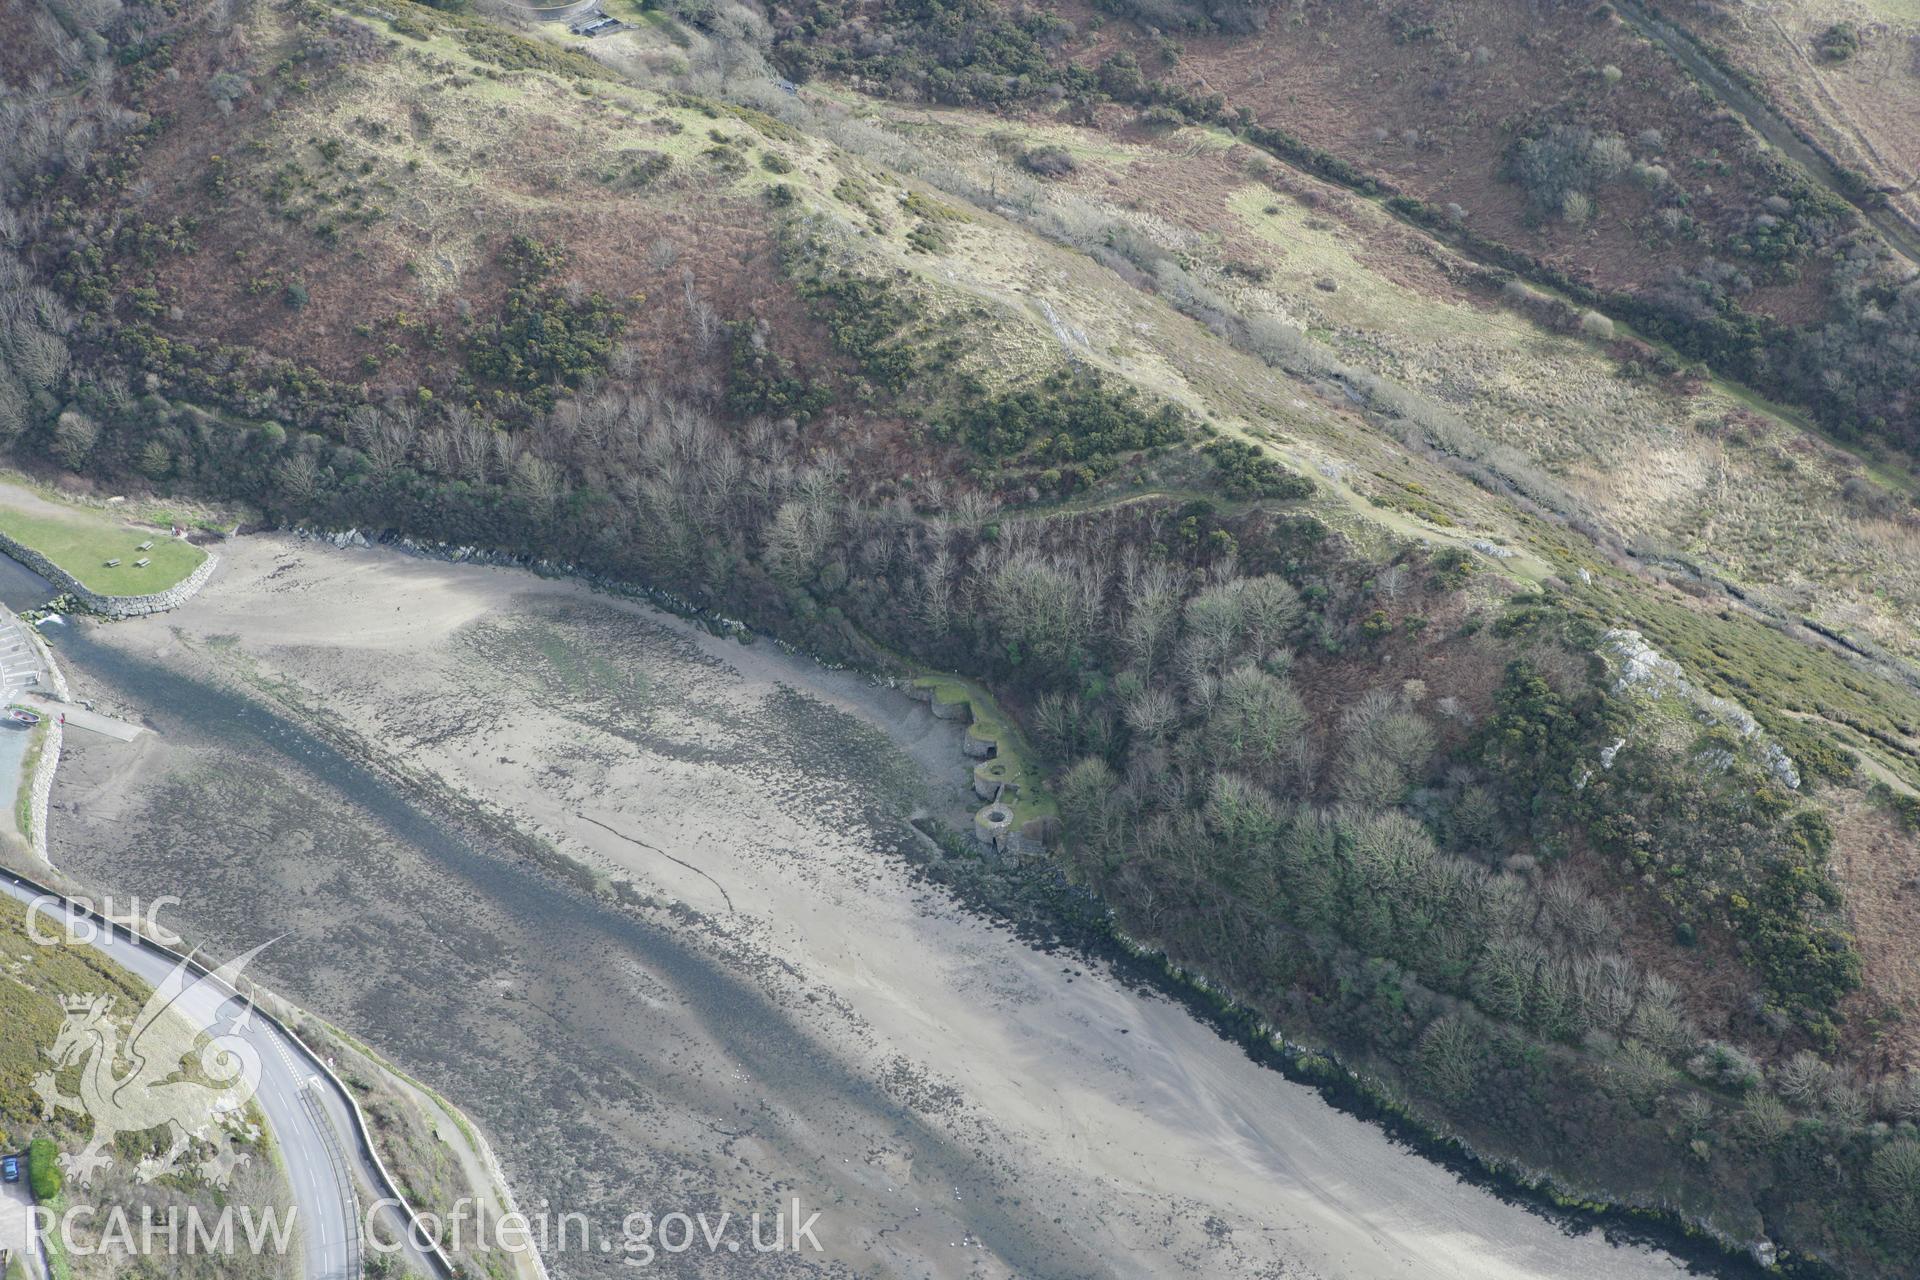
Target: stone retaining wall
{"type": "Point", "coordinates": [111, 606]}
{"type": "Point", "coordinates": [40, 797]}
{"type": "Point", "coordinates": [52, 668]}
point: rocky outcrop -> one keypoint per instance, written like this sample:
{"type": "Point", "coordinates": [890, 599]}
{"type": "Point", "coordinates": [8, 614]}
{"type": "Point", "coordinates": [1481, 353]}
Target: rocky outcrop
{"type": "Point", "coordinates": [111, 606]}
{"type": "Point", "coordinates": [1640, 670]}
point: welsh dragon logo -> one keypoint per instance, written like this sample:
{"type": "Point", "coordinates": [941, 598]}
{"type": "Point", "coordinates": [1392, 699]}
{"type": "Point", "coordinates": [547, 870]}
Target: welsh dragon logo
{"type": "Point", "coordinates": [170, 1037]}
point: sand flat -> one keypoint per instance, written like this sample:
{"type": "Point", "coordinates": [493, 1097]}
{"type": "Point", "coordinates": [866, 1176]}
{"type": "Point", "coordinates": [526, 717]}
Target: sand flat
{"type": "Point", "coordinates": [964, 1104]}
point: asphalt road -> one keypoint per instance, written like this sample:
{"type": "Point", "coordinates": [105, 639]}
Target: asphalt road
{"type": "Point", "coordinates": [308, 1116]}
{"type": "Point", "coordinates": [16, 1223]}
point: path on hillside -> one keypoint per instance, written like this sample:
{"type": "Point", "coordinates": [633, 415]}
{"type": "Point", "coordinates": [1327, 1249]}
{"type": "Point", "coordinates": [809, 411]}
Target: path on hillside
{"type": "Point", "coordinates": [1771, 125]}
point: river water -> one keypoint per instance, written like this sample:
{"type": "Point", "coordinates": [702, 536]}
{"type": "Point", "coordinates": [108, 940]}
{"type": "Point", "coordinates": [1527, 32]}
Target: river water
{"type": "Point", "coordinates": [21, 588]}
{"type": "Point", "coordinates": [797, 1019]}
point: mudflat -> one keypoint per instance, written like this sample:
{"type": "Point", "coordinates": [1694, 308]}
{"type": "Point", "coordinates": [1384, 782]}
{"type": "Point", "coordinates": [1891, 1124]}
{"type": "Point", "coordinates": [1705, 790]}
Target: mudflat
{"type": "Point", "coordinates": [743, 995]}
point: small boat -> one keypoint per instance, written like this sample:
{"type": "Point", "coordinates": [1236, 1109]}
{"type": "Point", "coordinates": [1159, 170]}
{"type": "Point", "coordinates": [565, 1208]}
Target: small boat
{"type": "Point", "coordinates": [21, 715]}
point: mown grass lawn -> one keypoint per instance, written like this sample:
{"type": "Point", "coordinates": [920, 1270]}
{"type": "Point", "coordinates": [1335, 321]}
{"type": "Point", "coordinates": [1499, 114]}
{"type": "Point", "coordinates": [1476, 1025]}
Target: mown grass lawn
{"type": "Point", "coordinates": [82, 544]}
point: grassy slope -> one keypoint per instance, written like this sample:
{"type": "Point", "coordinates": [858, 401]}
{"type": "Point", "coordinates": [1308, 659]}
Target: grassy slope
{"type": "Point", "coordinates": [35, 977]}
{"type": "Point", "coordinates": [1680, 474]}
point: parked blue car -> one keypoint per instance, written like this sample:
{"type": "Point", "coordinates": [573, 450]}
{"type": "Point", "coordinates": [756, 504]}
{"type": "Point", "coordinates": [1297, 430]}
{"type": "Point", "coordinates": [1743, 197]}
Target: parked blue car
{"type": "Point", "coordinates": [10, 1169]}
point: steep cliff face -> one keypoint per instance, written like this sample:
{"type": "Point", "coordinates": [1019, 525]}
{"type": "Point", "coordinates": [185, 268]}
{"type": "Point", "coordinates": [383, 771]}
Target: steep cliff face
{"type": "Point", "coordinates": [1459, 675]}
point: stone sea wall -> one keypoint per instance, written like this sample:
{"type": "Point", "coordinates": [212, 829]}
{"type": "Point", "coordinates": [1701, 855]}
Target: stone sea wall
{"type": "Point", "coordinates": [111, 606]}
{"type": "Point", "coordinates": [41, 795]}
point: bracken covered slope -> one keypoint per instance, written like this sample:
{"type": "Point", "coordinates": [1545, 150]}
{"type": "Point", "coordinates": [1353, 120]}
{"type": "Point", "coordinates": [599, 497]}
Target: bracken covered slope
{"type": "Point", "coordinates": [1367, 502]}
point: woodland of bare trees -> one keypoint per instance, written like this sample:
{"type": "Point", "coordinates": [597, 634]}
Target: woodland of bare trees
{"type": "Point", "coordinates": [1250, 768]}
{"type": "Point", "coordinates": [55, 123]}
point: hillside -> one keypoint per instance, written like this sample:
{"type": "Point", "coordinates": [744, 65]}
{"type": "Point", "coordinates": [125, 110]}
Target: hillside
{"type": "Point", "coordinates": [38, 978]}
{"type": "Point", "coordinates": [1839, 71]}
{"type": "Point", "coordinates": [1565, 143]}
{"type": "Point", "coordinates": [1461, 608]}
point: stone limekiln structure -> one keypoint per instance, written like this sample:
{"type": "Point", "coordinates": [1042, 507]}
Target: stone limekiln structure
{"type": "Point", "coordinates": [998, 778]}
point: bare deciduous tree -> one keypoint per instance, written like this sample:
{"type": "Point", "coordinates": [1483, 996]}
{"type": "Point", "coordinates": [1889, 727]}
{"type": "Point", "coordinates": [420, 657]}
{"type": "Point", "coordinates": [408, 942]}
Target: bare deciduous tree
{"type": "Point", "coordinates": [74, 435]}
{"type": "Point", "coordinates": [1153, 613]}
{"type": "Point", "coordinates": [1152, 713]}
{"type": "Point", "coordinates": [296, 477]}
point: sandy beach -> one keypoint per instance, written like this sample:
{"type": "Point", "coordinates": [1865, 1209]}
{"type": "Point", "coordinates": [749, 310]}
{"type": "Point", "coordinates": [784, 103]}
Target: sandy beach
{"type": "Point", "coordinates": [789, 1013]}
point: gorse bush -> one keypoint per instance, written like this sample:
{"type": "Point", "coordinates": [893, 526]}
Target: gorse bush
{"type": "Point", "coordinates": [1247, 471]}
{"type": "Point", "coordinates": [1559, 163]}
{"type": "Point", "coordinates": [962, 52]}
{"type": "Point", "coordinates": [43, 1169]}
{"type": "Point", "coordinates": [762, 383]}
{"type": "Point", "coordinates": [542, 337]}
{"type": "Point", "coordinates": [1048, 162]}
{"type": "Point", "coordinates": [1838, 42]}
{"type": "Point", "coordinates": [1070, 416]}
